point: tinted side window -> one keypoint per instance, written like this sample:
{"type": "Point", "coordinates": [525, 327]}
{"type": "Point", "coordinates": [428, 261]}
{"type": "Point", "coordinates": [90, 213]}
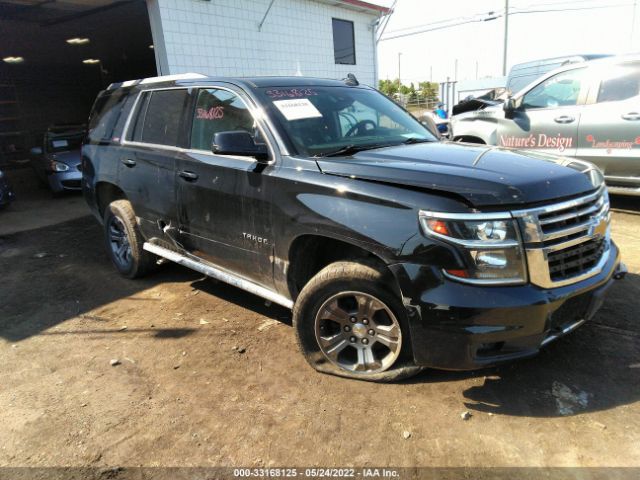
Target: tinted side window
{"type": "Point", "coordinates": [107, 109]}
{"type": "Point", "coordinates": [163, 117]}
{"type": "Point", "coordinates": [621, 84]}
{"type": "Point", "coordinates": [218, 111]}
{"type": "Point", "coordinates": [118, 128]}
{"type": "Point", "coordinates": [137, 121]}
{"type": "Point", "coordinates": [344, 48]}
{"type": "Point", "coordinates": [561, 90]}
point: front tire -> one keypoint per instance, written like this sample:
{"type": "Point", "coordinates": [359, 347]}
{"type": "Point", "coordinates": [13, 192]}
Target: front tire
{"type": "Point", "coordinates": [348, 322]}
{"type": "Point", "coordinates": [124, 241]}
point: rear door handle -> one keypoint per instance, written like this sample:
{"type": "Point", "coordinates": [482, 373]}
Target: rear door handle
{"type": "Point", "coordinates": [129, 162]}
{"type": "Point", "coordinates": [631, 116]}
{"type": "Point", "coordinates": [564, 119]}
{"type": "Point", "coordinates": [187, 175]}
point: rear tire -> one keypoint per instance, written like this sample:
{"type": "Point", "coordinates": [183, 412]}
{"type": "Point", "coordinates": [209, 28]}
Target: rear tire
{"type": "Point", "coordinates": [124, 241]}
{"type": "Point", "coordinates": [349, 323]}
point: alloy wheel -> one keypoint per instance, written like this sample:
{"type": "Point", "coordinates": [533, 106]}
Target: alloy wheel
{"type": "Point", "coordinates": [119, 242]}
{"type": "Point", "coordinates": [358, 333]}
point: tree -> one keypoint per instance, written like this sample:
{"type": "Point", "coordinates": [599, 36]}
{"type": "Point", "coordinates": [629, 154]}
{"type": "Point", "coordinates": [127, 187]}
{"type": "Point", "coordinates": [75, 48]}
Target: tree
{"type": "Point", "coordinates": [413, 94]}
{"type": "Point", "coordinates": [388, 87]}
{"type": "Point", "coordinates": [428, 91]}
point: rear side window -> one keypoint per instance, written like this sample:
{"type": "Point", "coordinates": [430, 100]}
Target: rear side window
{"type": "Point", "coordinates": [621, 84]}
{"type": "Point", "coordinates": [158, 117]}
{"type": "Point", "coordinates": [135, 130]}
{"type": "Point", "coordinates": [106, 112]}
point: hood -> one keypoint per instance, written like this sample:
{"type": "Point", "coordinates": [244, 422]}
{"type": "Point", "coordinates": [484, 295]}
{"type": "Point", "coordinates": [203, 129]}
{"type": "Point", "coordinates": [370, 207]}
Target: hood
{"type": "Point", "coordinates": [483, 176]}
{"type": "Point", "coordinates": [71, 158]}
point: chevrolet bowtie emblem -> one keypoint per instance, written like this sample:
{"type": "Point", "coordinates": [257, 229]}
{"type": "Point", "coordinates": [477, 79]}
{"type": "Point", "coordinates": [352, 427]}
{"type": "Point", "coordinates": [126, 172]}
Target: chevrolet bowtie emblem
{"type": "Point", "coordinates": [598, 227]}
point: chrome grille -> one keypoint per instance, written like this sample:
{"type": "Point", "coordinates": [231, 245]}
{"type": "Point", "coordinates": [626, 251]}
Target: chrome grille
{"type": "Point", "coordinates": [571, 222]}
{"type": "Point", "coordinates": [566, 242]}
{"type": "Point", "coordinates": [575, 260]}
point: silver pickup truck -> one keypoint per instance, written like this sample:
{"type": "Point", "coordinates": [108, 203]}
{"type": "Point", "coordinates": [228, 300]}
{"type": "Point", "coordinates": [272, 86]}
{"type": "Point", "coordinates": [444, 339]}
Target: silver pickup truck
{"type": "Point", "coordinates": [589, 110]}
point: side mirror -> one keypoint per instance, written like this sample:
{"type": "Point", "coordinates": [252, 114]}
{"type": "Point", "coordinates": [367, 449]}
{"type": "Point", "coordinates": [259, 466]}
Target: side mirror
{"type": "Point", "coordinates": [509, 107]}
{"type": "Point", "coordinates": [35, 151]}
{"type": "Point", "coordinates": [509, 104]}
{"type": "Point", "coordinates": [241, 143]}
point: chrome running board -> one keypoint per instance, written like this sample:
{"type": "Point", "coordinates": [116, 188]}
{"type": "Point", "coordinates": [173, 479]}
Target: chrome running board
{"type": "Point", "coordinates": [219, 274]}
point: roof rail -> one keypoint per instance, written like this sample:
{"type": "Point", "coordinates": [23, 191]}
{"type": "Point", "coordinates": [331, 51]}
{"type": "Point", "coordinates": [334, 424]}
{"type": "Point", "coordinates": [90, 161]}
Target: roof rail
{"type": "Point", "coordinates": [163, 78]}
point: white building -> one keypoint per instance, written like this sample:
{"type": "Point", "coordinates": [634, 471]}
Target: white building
{"type": "Point", "coordinates": [57, 54]}
{"type": "Point", "coordinates": [320, 38]}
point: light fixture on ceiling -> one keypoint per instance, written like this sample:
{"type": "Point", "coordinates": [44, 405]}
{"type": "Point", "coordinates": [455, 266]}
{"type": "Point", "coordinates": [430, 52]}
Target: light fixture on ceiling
{"type": "Point", "coordinates": [78, 41]}
{"type": "Point", "coordinates": [13, 59]}
{"type": "Point", "coordinates": [90, 61]}
{"type": "Point", "coordinates": [151, 46]}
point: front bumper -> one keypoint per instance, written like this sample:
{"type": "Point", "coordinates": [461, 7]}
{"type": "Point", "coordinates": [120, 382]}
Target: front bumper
{"type": "Point", "coordinates": [457, 326]}
{"type": "Point", "coordinates": [69, 180]}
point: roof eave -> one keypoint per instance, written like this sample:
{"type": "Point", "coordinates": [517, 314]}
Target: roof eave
{"type": "Point", "coordinates": [360, 6]}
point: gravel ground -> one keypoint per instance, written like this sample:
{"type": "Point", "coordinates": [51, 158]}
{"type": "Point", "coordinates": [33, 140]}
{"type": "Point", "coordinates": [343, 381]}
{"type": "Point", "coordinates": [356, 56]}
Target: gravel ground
{"type": "Point", "coordinates": [178, 370]}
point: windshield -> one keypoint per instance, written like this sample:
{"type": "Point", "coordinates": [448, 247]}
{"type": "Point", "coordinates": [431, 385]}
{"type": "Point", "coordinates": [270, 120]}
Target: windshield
{"type": "Point", "coordinates": [66, 143]}
{"type": "Point", "coordinates": [330, 120]}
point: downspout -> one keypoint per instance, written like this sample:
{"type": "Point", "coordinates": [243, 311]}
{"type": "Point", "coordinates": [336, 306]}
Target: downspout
{"type": "Point", "coordinates": [376, 40]}
{"type": "Point", "coordinates": [374, 32]}
{"type": "Point", "coordinates": [265, 15]}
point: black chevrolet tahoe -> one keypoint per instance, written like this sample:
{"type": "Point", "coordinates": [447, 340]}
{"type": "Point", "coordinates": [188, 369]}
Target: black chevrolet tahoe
{"type": "Point", "coordinates": [394, 250]}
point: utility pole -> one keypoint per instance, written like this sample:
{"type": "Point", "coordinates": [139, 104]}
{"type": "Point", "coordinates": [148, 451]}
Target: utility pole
{"type": "Point", "coordinates": [633, 26]}
{"type": "Point", "coordinates": [476, 69]}
{"type": "Point", "coordinates": [431, 73]}
{"type": "Point", "coordinates": [455, 70]}
{"type": "Point", "coordinates": [506, 36]}
{"type": "Point", "coordinates": [399, 81]}
{"type": "Point", "coordinates": [446, 94]}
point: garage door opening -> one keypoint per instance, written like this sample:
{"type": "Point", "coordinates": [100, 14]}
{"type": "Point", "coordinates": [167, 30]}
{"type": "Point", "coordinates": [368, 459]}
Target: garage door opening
{"type": "Point", "coordinates": [57, 55]}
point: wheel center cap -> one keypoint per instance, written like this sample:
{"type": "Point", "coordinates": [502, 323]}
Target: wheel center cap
{"type": "Point", "coordinates": [359, 330]}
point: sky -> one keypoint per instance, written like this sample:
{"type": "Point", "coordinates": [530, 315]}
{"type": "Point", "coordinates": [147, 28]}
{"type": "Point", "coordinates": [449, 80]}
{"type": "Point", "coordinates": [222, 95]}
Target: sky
{"type": "Point", "coordinates": [588, 26]}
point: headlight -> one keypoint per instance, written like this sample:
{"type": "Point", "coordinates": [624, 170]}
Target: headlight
{"type": "Point", "coordinates": [489, 243]}
{"type": "Point", "coordinates": [59, 166]}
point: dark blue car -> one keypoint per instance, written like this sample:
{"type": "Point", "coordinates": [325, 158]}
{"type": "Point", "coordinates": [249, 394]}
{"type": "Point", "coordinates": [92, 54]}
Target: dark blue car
{"type": "Point", "coordinates": [6, 192]}
{"type": "Point", "coordinates": [57, 162]}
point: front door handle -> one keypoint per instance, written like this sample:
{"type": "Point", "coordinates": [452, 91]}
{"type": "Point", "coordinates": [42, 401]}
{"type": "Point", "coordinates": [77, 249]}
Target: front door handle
{"type": "Point", "coordinates": [564, 119]}
{"type": "Point", "coordinates": [631, 116]}
{"type": "Point", "coordinates": [129, 162]}
{"type": "Point", "coordinates": [187, 175]}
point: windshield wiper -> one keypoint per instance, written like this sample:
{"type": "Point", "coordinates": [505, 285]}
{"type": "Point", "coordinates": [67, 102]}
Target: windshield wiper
{"type": "Point", "coordinates": [351, 149]}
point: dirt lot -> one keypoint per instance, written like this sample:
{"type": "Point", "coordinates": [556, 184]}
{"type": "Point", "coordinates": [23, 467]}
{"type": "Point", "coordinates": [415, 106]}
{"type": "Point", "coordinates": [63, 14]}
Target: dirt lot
{"type": "Point", "coordinates": [35, 206]}
{"type": "Point", "coordinates": [184, 394]}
